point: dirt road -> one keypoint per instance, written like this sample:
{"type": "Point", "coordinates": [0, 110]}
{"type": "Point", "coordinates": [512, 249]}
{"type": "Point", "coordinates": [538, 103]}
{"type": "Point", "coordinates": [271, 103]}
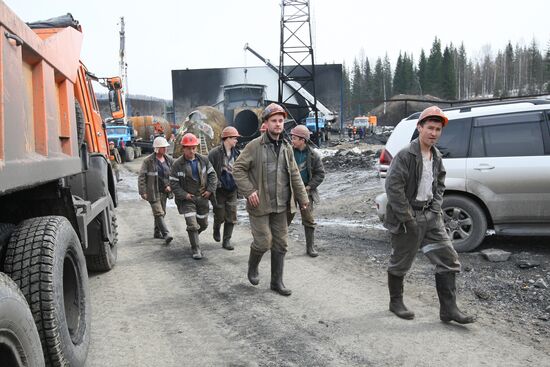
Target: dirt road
{"type": "Point", "coordinates": [159, 307]}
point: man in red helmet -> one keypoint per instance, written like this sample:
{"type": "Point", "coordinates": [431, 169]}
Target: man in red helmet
{"type": "Point", "coordinates": [414, 185]}
{"type": "Point", "coordinates": [193, 182]}
{"type": "Point", "coordinates": [312, 173]}
{"type": "Point", "coordinates": [267, 175]}
{"type": "Point", "coordinates": [223, 158]}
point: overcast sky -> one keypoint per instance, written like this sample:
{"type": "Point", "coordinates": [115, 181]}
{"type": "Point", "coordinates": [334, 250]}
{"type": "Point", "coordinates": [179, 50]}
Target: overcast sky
{"type": "Point", "coordinates": [165, 35]}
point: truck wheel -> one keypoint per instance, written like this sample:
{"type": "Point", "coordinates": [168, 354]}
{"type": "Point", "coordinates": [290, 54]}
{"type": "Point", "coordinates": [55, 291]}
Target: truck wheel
{"type": "Point", "coordinates": [80, 123]}
{"type": "Point", "coordinates": [105, 260]}
{"type": "Point", "coordinates": [465, 222]}
{"type": "Point", "coordinates": [5, 232]}
{"type": "Point", "coordinates": [19, 339]}
{"type": "Point", "coordinates": [137, 152]}
{"type": "Point", "coordinates": [44, 258]}
{"type": "Point", "coordinates": [129, 154]}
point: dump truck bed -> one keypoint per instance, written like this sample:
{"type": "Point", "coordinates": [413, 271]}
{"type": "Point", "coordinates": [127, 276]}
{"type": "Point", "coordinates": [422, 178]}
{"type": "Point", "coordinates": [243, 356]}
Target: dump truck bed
{"type": "Point", "coordinates": [38, 133]}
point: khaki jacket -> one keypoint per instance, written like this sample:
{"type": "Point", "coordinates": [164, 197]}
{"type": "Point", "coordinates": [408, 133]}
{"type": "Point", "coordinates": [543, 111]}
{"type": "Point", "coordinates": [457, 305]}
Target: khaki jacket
{"type": "Point", "coordinates": [250, 173]}
{"type": "Point", "coordinates": [402, 183]}
{"type": "Point", "coordinates": [148, 177]}
{"type": "Point", "coordinates": [216, 157]}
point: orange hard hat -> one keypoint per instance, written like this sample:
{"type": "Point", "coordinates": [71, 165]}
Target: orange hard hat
{"type": "Point", "coordinates": [230, 132]}
{"type": "Point", "coordinates": [433, 111]}
{"type": "Point", "coordinates": [301, 131]}
{"type": "Point", "coordinates": [263, 128]}
{"type": "Point", "coordinates": [273, 109]}
{"type": "Point", "coordinates": [189, 140]}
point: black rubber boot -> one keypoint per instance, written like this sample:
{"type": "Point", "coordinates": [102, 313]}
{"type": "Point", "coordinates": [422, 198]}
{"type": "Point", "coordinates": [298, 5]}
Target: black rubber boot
{"type": "Point", "coordinates": [227, 232]}
{"type": "Point", "coordinates": [216, 232]}
{"type": "Point", "coordinates": [195, 248]}
{"type": "Point", "coordinates": [277, 266]}
{"type": "Point", "coordinates": [310, 242]}
{"type": "Point", "coordinates": [253, 262]}
{"type": "Point", "coordinates": [395, 285]}
{"type": "Point", "coordinates": [163, 229]}
{"type": "Point", "coordinates": [446, 291]}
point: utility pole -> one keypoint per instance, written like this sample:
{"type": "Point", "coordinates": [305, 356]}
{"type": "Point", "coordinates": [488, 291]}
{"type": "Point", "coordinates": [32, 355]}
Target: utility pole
{"type": "Point", "coordinates": [123, 66]}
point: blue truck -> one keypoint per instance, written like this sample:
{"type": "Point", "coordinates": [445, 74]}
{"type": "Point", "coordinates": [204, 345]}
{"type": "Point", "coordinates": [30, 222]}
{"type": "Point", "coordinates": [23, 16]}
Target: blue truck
{"type": "Point", "coordinates": [124, 138]}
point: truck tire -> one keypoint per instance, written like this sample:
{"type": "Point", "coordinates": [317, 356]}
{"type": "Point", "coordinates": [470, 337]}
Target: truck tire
{"type": "Point", "coordinates": [44, 258]}
{"type": "Point", "coordinates": [465, 222]}
{"type": "Point", "coordinates": [6, 230]}
{"type": "Point", "coordinates": [19, 339]}
{"type": "Point", "coordinates": [106, 259]}
{"type": "Point", "coordinates": [80, 123]}
{"type": "Point", "coordinates": [137, 152]}
{"type": "Point", "coordinates": [129, 154]}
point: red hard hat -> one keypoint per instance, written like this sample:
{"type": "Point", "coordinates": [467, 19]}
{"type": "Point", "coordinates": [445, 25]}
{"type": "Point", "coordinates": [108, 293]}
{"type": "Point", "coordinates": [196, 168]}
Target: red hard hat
{"type": "Point", "coordinates": [229, 132]}
{"type": "Point", "coordinates": [273, 109]}
{"type": "Point", "coordinates": [301, 131]}
{"type": "Point", "coordinates": [433, 111]}
{"type": "Point", "coordinates": [189, 140]}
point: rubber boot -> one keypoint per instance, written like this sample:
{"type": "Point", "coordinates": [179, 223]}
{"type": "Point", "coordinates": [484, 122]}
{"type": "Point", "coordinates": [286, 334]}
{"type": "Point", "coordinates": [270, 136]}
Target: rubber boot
{"type": "Point", "coordinates": [216, 232]}
{"type": "Point", "coordinates": [253, 262]}
{"type": "Point", "coordinates": [446, 291]}
{"type": "Point", "coordinates": [395, 285]}
{"type": "Point", "coordinates": [310, 244]}
{"type": "Point", "coordinates": [195, 248]}
{"type": "Point", "coordinates": [227, 232]}
{"type": "Point", "coordinates": [163, 229]}
{"type": "Point", "coordinates": [156, 233]}
{"type": "Point", "coordinates": [277, 266]}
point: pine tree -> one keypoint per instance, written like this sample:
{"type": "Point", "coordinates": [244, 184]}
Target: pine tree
{"type": "Point", "coordinates": [434, 74]}
{"type": "Point", "coordinates": [378, 81]}
{"type": "Point", "coordinates": [346, 86]}
{"type": "Point", "coordinates": [422, 70]}
{"type": "Point", "coordinates": [367, 86]}
{"type": "Point", "coordinates": [448, 80]}
{"type": "Point", "coordinates": [356, 89]}
{"type": "Point", "coordinates": [399, 77]}
{"type": "Point", "coordinates": [547, 68]}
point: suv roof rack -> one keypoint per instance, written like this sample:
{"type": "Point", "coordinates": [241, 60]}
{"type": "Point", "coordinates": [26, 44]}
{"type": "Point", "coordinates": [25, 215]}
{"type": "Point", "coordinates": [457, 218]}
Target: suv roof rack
{"type": "Point", "coordinates": [468, 108]}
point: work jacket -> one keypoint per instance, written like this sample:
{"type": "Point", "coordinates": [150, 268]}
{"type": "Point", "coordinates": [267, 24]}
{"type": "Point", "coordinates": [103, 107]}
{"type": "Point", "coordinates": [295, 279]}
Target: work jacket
{"type": "Point", "coordinates": [315, 171]}
{"type": "Point", "coordinates": [250, 173]}
{"type": "Point", "coordinates": [216, 157]}
{"type": "Point", "coordinates": [402, 184]}
{"type": "Point", "coordinates": [148, 182]}
{"type": "Point", "coordinates": [208, 180]}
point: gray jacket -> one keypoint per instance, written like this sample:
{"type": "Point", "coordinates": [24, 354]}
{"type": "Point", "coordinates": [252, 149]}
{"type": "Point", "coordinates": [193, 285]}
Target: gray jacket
{"type": "Point", "coordinates": [316, 172]}
{"type": "Point", "coordinates": [250, 173]}
{"type": "Point", "coordinates": [402, 183]}
{"type": "Point", "coordinates": [148, 177]}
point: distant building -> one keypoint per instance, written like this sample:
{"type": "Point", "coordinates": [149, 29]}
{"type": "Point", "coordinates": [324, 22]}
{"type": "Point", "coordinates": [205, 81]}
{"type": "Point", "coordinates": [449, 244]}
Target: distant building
{"type": "Point", "coordinates": [140, 106]}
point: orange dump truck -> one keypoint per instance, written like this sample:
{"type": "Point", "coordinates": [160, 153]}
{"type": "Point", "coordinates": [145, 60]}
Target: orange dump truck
{"type": "Point", "coordinates": [57, 193]}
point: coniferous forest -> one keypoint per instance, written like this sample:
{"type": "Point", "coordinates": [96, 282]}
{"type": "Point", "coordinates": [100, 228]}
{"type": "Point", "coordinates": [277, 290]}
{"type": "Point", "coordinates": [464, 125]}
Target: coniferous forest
{"type": "Point", "coordinates": [448, 73]}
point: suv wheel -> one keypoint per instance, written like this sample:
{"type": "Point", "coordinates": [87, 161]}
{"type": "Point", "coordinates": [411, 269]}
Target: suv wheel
{"type": "Point", "coordinates": [465, 222]}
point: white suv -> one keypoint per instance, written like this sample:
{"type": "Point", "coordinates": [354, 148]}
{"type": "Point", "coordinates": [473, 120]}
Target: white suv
{"type": "Point", "coordinates": [497, 158]}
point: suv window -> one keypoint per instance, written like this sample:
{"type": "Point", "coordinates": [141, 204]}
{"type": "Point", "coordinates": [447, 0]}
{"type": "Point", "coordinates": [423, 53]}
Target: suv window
{"type": "Point", "coordinates": [511, 135]}
{"type": "Point", "coordinates": [454, 140]}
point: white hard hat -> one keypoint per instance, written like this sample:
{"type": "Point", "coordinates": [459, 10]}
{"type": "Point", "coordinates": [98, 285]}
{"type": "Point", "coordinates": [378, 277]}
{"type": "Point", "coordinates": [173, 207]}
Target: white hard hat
{"type": "Point", "coordinates": [160, 142]}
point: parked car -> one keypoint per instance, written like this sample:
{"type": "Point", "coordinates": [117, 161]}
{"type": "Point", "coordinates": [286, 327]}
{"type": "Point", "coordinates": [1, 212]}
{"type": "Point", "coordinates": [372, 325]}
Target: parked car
{"type": "Point", "coordinates": [497, 158]}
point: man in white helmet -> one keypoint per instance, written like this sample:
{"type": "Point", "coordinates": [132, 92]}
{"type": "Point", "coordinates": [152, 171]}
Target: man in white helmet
{"type": "Point", "coordinates": [154, 185]}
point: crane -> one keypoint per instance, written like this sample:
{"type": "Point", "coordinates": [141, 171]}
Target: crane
{"type": "Point", "coordinates": [296, 87]}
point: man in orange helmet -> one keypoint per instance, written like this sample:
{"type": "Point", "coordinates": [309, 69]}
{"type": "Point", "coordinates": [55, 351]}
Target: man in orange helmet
{"type": "Point", "coordinates": [267, 175]}
{"type": "Point", "coordinates": [223, 158]}
{"type": "Point", "coordinates": [414, 185]}
{"type": "Point", "coordinates": [193, 182]}
{"type": "Point", "coordinates": [312, 173]}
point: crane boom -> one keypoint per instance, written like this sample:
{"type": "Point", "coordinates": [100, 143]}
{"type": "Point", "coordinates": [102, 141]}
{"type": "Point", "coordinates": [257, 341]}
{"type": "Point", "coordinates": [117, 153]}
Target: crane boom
{"type": "Point", "coordinates": [296, 87]}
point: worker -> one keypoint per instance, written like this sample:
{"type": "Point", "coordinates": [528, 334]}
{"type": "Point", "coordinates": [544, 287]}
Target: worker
{"type": "Point", "coordinates": [268, 177]}
{"type": "Point", "coordinates": [193, 182]}
{"type": "Point", "coordinates": [154, 185]}
{"type": "Point", "coordinates": [223, 158]}
{"type": "Point", "coordinates": [414, 185]}
{"type": "Point", "coordinates": [114, 157]}
{"type": "Point", "coordinates": [312, 173]}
